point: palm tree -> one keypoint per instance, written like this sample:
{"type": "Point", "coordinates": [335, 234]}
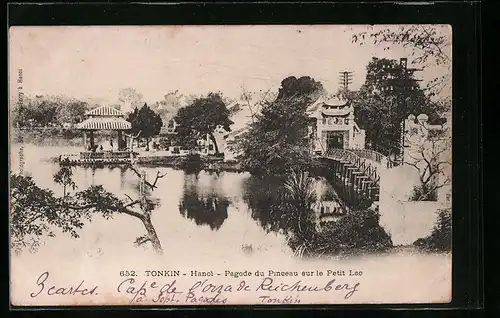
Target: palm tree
{"type": "Point", "coordinates": [298, 198]}
{"type": "Point", "coordinates": [300, 189]}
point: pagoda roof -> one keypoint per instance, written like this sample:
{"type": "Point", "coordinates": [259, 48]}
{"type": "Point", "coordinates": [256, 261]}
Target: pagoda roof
{"type": "Point", "coordinates": [336, 112]}
{"type": "Point", "coordinates": [104, 123]}
{"type": "Point", "coordinates": [105, 111]}
{"type": "Point", "coordinates": [333, 102]}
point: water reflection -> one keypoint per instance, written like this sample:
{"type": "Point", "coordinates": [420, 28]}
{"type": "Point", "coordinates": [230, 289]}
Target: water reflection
{"type": "Point", "coordinates": [122, 177]}
{"type": "Point", "coordinates": [206, 201]}
{"type": "Point", "coordinates": [262, 198]}
{"type": "Point", "coordinates": [208, 207]}
{"type": "Point", "coordinates": [89, 174]}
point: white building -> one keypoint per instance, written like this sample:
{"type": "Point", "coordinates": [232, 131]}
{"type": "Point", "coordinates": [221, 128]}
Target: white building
{"type": "Point", "coordinates": [207, 146]}
{"type": "Point", "coordinates": [230, 153]}
{"type": "Point", "coordinates": [333, 126]}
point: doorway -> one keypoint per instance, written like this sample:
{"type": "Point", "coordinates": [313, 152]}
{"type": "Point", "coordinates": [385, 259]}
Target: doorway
{"type": "Point", "coordinates": [334, 140]}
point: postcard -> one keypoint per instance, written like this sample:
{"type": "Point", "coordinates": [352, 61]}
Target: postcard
{"type": "Point", "coordinates": [230, 165]}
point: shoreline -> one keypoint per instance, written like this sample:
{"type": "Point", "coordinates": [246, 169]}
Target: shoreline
{"type": "Point", "coordinates": [175, 162]}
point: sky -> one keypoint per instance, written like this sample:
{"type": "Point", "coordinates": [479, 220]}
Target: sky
{"type": "Point", "coordinates": [96, 62]}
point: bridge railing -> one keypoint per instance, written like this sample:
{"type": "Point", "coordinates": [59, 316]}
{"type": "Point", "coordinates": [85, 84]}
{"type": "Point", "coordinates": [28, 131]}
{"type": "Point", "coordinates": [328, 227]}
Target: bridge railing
{"type": "Point", "coordinates": [374, 156]}
{"type": "Point", "coordinates": [105, 155]}
{"type": "Point", "coordinates": [362, 164]}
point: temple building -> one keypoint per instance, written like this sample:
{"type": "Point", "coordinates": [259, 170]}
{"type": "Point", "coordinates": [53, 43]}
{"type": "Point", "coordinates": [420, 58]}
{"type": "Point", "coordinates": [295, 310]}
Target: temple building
{"type": "Point", "coordinates": [332, 125]}
{"type": "Point", "coordinates": [104, 118]}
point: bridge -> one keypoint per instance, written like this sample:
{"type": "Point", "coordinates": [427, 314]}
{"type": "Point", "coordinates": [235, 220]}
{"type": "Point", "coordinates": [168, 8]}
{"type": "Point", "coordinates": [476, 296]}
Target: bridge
{"type": "Point", "coordinates": [356, 173]}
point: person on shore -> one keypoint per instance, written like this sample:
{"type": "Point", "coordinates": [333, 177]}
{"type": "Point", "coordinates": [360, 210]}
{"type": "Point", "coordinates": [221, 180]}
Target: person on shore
{"type": "Point", "coordinates": [111, 144]}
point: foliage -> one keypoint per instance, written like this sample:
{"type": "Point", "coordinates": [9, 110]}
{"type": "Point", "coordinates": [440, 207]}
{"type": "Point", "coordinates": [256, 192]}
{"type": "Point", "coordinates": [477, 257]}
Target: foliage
{"type": "Point", "coordinates": [429, 152]}
{"type": "Point", "coordinates": [145, 123]}
{"type": "Point", "coordinates": [254, 101]}
{"type": "Point", "coordinates": [285, 203]}
{"type": "Point", "coordinates": [440, 238]}
{"type": "Point", "coordinates": [430, 46]}
{"type": "Point", "coordinates": [46, 111]}
{"type": "Point", "coordinates": [299, 195]}
{"type": "Point", "coordinates": [276, 142]}
{"type": "Point", "coordinates": [357, 232]}
{"type": "Point", "coordinates": [130, 99]}
{"type": "Point", "coordinates": [36, 212]}
{"type": "Point", "coordinates": [380, 110]}
{"type": "Point", "coordinates": [64, 177]}
{"type": "Point", "coordinates": [422, 192]}
{"type": "Point", "coordinates": [200, 118]}
{"type": "Point", "coordinates": [345, 94]}
{"type": "Point", "coordinates": [169, 106]}
{"type": "Point", "coordinates": [72, 113]}
{"type": "Point", "coordinates": [192, 163]}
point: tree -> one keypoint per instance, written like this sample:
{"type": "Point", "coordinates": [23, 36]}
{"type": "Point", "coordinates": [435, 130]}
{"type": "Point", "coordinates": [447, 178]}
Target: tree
{"type": "Point", "coordinates": [387, 97]}
{"type": "Point", "coordinates": [345, 93]}
{"type": "Point", "coordinates": [430, 43]}
{"type": "Point", "coordinates": [36, 212]}
{"type": "Point", "coordinates": [254, 101]}
{"type": "Point", "coordinates": [200, 118]}
{"type": "Point", "coordinates": [130, 98]}
{"type": "Point", "coordinates": [440, 239]}
{"type": "Point", "coordinates": [72, 112]}
{"type": "Point", "coordinates": [48, 110]}
{"type": "Point", "coordinates": [277, 141]}
{"type": "Point", "coordinates": [169, 106]}
{"type": "Point", "coordinates": [145, 123]}
{"type": "Point", "coordinates": [429, 152]}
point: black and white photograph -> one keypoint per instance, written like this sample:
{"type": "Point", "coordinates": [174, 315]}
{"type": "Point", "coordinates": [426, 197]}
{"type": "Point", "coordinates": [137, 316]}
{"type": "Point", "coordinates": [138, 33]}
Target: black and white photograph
{"type": "Point", "coordinates": [230, 164]}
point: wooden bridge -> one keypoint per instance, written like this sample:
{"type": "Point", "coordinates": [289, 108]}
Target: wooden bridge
{"type": "Point", "coordinates": [356, 172]}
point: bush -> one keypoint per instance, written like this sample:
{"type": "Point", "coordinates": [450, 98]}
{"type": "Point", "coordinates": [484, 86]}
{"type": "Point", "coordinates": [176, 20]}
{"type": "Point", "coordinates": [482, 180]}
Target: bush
{"type": "Point", "coordinates": [440, 238]}
{"type": "Point", "coordinates": [192, 163]}
{"type": "Point", "coordinates": [357, 232]}
{"type": "Point", "coordinates": [165, 142]}
{"type": "Point", "coordinates": [423, 193]}
{"type": "Point", "coordinates": [285, 203]}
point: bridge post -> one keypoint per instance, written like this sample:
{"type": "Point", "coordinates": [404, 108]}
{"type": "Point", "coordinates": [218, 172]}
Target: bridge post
{"type": "Point", "coordinates": [350, 170]}
{"type": "Point", "coordinates": [343, 172]}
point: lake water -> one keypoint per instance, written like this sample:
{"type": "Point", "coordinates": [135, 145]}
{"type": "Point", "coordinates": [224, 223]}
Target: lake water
{"type": "Point", "coordinates": [203, 220]}
{"type": "Point", "coordinates": [207, 211]}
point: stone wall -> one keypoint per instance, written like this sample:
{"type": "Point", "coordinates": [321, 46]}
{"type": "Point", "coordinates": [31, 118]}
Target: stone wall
{"type": "Point", "coordinates": [406, 221]}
